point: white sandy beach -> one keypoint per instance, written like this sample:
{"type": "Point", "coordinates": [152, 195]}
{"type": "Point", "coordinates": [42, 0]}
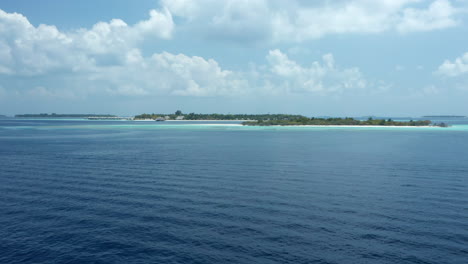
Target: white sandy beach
{"type": "Point", "coordinates": [208, 120]}
{"type": "Point", "coordinates": [345, 126]}
{"type": "Point", "coordinates": [330, 126]}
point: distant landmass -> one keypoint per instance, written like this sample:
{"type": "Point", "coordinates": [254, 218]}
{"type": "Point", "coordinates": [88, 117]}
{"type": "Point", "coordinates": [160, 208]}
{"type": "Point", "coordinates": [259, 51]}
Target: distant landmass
{"type": "Point", "coordinates": [286, 120]}
{"type": "Point", "coordinates": [444, 116]}
{"type": "Point", "coordinates": [305, 121]}
{"type": "Point", "coordinates": [54, 115]}
{"type": "Point", "coordinates": [193, 116]}
{"type": "Point", "coordinates": [256, 119]}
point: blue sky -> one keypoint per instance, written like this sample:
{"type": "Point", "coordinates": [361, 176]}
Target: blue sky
{"type": "Point", "coordinates": [346, 57]}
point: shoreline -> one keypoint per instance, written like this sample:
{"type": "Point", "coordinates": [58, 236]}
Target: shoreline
{"type": "Point", "coordinates": [341, 126]}
{"type": "Point", "coordinates": [285, 125]}
{"type": "Point", "coordinates": [241, 125]}
{"type": "Point", "coordinates": [209, 120]}
{"type": "Point", "coordinates": [299, 126]}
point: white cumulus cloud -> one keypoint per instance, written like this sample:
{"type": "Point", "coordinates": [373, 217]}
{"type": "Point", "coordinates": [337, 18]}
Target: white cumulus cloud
{"type": "Point", "coordinates": [107, 60]}
{"type": "Point", "coordinates": [296, 21]}
{"type": "Point", "coordinates": [166, 73]}
{"type": "Point", "coordinates": [440, 14]}
{"type": "Point", "coordinates": [320, 77]}
{"type": "Point", "coordinates": [29, 50]}
{"type": "Point", "coordinates": [454, 68]}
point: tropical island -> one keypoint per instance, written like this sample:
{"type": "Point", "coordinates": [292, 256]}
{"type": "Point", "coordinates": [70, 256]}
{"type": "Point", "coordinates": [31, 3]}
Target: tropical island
{"type": "Point", "coordinates": [348, 121]}
{"type": "Point", "coordinates": [54, 115]}
{"type": "Point", "coordinates": [285, 120]}
{"type": "Point", "coordinates": [178, 115]}
{"type": "Point", "coordinates": [249, 119]}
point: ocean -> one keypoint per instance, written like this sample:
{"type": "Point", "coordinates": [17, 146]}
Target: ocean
{"type": "Point", "coordinates": [76, 191]}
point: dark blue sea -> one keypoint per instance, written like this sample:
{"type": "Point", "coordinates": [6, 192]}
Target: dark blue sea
{"type": "Point", "coordinates": [75, 191]}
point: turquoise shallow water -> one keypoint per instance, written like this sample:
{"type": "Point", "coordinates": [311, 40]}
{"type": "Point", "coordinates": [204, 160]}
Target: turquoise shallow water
{"type": "Point", "coordinates": [227, 125]}
{"type": "Point", "coordinates": [138, 192]}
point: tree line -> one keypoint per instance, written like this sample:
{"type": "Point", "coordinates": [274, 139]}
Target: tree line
{"type": "Point", "coordinates": [289, 120]}
{"type": "Point", "coordinates": [348, 121]}
{"type": "Point", "coordinates": [215, 116]}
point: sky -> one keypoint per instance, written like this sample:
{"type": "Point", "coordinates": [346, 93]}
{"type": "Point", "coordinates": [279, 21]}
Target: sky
{"type": "Point", "coordinates": [316, 58]}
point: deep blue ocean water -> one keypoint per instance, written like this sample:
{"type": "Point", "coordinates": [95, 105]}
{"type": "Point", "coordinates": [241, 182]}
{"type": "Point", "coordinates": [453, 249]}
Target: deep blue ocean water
{"type": "Point", "coordinates": [139, 192]}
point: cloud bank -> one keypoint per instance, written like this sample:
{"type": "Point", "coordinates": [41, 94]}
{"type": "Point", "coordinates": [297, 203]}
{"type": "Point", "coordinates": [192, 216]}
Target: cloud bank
{"type": "Point", "coordinates": [108, 59]}
{"type": "Point", "coordinates": [298, 21]}
{"type": "Point", "coordinates": [29, 50]}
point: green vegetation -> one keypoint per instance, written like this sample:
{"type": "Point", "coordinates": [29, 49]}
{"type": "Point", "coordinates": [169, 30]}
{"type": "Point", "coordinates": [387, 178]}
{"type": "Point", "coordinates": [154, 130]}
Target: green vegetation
{"type": "Point", "coordinates": [288, 120]}
{"type": "Point", "coordinates": [302, 121]}
{"type": "Point", "coordinates": [194, 116]}
{"type": "Point", "coordinates": [54, 115]}
{"type": "Point", "coordinates": [146, 116]}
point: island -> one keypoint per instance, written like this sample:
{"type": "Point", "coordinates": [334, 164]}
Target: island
{"type": "Point", "coordinates": [348, 121]}
{"type": "Point", "coordinates": [54, 115]}
{"type": "Point", "coordinates": [285, 120]}
{"type": "Point", "coordinates": [178, 115]}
